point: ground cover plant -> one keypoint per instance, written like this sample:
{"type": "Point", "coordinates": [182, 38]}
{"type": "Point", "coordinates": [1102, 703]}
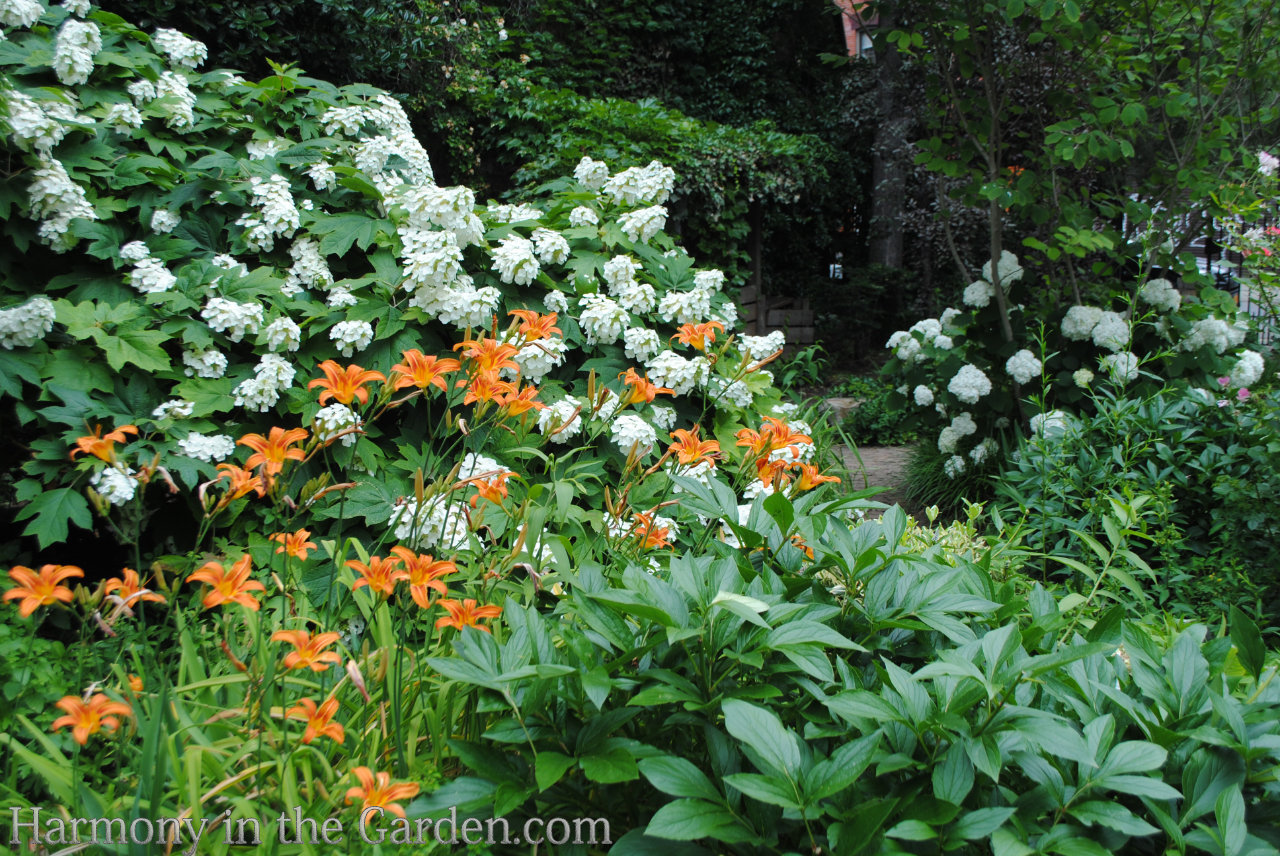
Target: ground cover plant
{"type": "Point", "coordinates": [442, 510]}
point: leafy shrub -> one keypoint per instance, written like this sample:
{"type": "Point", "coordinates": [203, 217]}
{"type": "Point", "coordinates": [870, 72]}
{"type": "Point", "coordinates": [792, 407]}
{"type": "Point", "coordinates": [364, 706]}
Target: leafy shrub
{"type": "Point", "coordinates": [875, 421]}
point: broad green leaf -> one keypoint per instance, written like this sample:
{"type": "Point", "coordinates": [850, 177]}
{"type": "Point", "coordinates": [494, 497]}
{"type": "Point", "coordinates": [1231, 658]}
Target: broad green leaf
{"type": "Point", "coordinates": [913, 830]}
{"type": "Point", "coordinates": [981, 822]}
{"type": "Point", "coordinates": [1248, 641]}
{"type": "Point", "coordinates": [953, 778]}
{"type": "Point", "coordinates": [767, 789]}
{"type": "Point", "coordinates": [690, 820]}
{"type": "Point", "coordinates": [764, 732]}
{"type": "Point", "coordinates": [551, 767]}
{"type": "Point", "coordinates": [1230, 814]}
{"type": "Point", "coordinates": [616, 765]}
{"type": "Point", "coordinates": [833, 775]}
{"type": "Point", "coordinates": [679, 778]}
{"type": "Point", "coordinates": [1134, 756]}
{"type": "Point", "coordinates": [52, 511]}
{"type": "Point", "coordinates": [1113, 816]}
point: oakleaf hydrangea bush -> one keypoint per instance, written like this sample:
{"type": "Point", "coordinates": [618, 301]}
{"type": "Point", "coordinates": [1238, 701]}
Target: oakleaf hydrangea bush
{"type": "Point", "coordinates": [963, 382]}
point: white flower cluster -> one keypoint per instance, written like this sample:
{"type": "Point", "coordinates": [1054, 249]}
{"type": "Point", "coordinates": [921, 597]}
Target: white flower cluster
{"type": "Point", "coordinates": [123, 117]}
{"type": "Point", "coordinates": [561, 419]}
{"type": "Point", "coordinates": [115, 484]}
{"type": "Point", "coordinates": [74, 49]}
{"type": "Point", "coordinates": [1023, 366]}
{"type": "Point", "coordinates": [164, 221]}
{"type": "Point", "coordinates": [1082, 378]}
{"type": "Point", "coordinates": [601, 319]}
{"type": "Point", "coordinates": [551, 247]}
{"type": "Point", "coordinates": [174, 408]}
{"type": "Point", "coordinates": [309, 267]}
{"type": "Point", "coordinates": [441, 524]}
{"type": "Point", "coordinates": [210, 363]}
{"type": "Point", "coordinates": [1008, 271]}
{"type": "Point", "coordinates": [641, 343]}
{"type": "Point", "coordinates": [23, 326]}
{"type": "Point", "coordinates": [632, 294]}
{"type": "Point", "coordinates": [685, 307]}
{"type": "Point", "coordinates": [735, 391]}
{"type": "Point", "coordinates": [516, 261]}
{"type": "Point", "coordinates": [431, 259]}
{"type": "Point", "coordinates": [978, 294]}
{"type": "Point", "coordinates": [271, 376]}
{"type": "Point", "coordinates": [57, 200]}
{"type": "Point", "coordinates": [906, 347]}
{"type": "Point", "coordinates": [1050, 424]}
{"type": "Point", "coordinates": [261, 149]}
{"type": "Point", "coordinates": [923, 395]}
{"type": "Point", "coordinates": [711, 280]}
{"type": "Point", "coordinates": [556, 301]}
{"type": "Point", "coordinates": [322, 176]}
{"type": "Point", "coordinates": [371, 154]}
{"type": "Point", "coordinates": [283, 334]}
{"type": "Point", "coordinates": [444, 207]}
{"type": "Point", "coordinates": [1215, 333]}
{"type": "Point", "coordinates": [461, 304]}
{"type": "Point", "coordinates": [276, 215]}
{"type": "Point", "coordinates": [1078, 323]}
{"type": "Point", "coordinates": [150, 276]}
{"type": "Point", "coordinates": [662, 417]}
{"type": "Point", "coordinates": [633, 435]}
{"type": "Point", "coordinates": [961, 426]}
{"type": "Point", "coordinates": [1248, 369]}
{"type": "Point", "coordinates": [214, 448]}
{"type": "Point", "coordinates": [760, 347]}
{"type": "Point", "coordinates": [181, 51]}
{"type": "Point", "coordinates": [514, 213]}
{"type": "Point", "coordinates": [983, 450]}
{"type": "Point", "coordinates": [969, 384]}
{"type": "Point", "coordinates": [36, 125]}
{"type": "Point", "coordinates": [20, 13]}
{"type": "Point", "coordinates": [333, 420]}
{"type": "Point", "coordinates": [643, 223]}
{"type": "Point", "coordinates": [591, 174]}
{"type": "Point", "coordinates": [583, 216]}
{"type": "Point", "coordinates": [1111, 331]}
{"type": "Point", "coordinates": [351, 336]}
{"type": "Point", "coordinates": [1161, 295]}
{"type": "Point", "coordinates": [673, 371]}
{"type": "Point", "coordinates": [173, 97]}
{"type": "Point", "coordinates": [1122, 366]}
{"type": "Point", "coordinates": [537, 359]}
{"type": "Point", "coordinates": [1267, 163]}
{"type": "Point", "coordinates": [235, 319]}
{"type": "Point", "coordinates": [474, 465]}
{"type": "Point", "coordinates": [647, 185]}
{"type": "Point", "coordinates": [953, 466]}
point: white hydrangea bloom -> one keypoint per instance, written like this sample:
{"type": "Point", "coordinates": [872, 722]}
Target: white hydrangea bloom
{"type": "Point", "coordinates": [333, 420]}
{"type": "Point", "coordinates": [1248, 369]}
{"type": "Point", "coordinates": [57, 200]}
{"type": "Point", "coordinates": [735, 391]}
{"type": "Point", "coordinates": [150, 276]}
{"type": "Point", "coordinates": [463, 305]}
{"type": "Point", "coordinates": [212, 448]}
{"type": "Point", "coordinates": [275, 213]}
{"type": "Point", "coordinates": [643, 223]}
{"type": "Point", "coordinates": [729, 314]}
{"type": "Point", "coordinates": [322, 176]}
{"type": "Point", "coordinates": [556, 417]}
{"type": "Point", "coordinates": [309, 266]}
{"type": "Point", "coordinates": [928, 328]}
{"type": "Point", "coordinates": [1078, 323]}
{"type": "Point", "coordinates": [601, 319]}
{"type": "Point", "coordinates": [36, 126]}
{"type": "Point", "coordinates": [673, 371]}
{"type": "Point", "coordinates": [164, 221]}
{"type": "Point", "coordinates": [711, 279]}
{"type": "Point", "coordinates": [514, 213]}
{"type": "Point", "coordinates": [1111, 331]}
{"type": "Point", "coordinates": [174, 408]}
{"type": "Point", "coordinates": [23, 326]}
{"type": "Point", "coordinates": [978, 294]}
{"type": "Point", "coordinates": [210, 363]}
{"type": "Point", "coordinates": [351, 336]}
{"type": "Point", "coordinates": [1122, 367]}
{"type": "Point", "coordinates": [556, 301]}
{"type": "Point", "coordinates": [431, 259]}
{"type": "Point", "coordinates": [633, 434]}
{"type": "Point", "coordinates": [1212, 332]}
{"type": "Point", "coordinates": [953, 466]}
{"type": "Point", "coordinates": [948, 317]}
{"type": "Point", "coordinates": [175, 100]}
{"type": "Point", "coordinates": [181, 51]}
{"type": "Point", "coordinates": [261, 149]}
{"type": "Point", "coordinates": [74, 49]}
{"type": "Point", "coordinates": [537, 359]}
{"type": "Point", "coordinates": [550, 246]}
{"type": "Point", "coordinates": [584, 216]}
{"type": "Point", "coordinates": [969, 384]}
{"type": "Point", "coordinates": [134, 251]}
{"type": "Point", "coordinates": [442, 524]}
{"type": "Point", "coordinates": [341, 298]}
{"type": "Point", "coordinates": [235, 319]}
{"type": "Point", "coordinates": [923, 395]}
{"type": "Point", "coordinates": [662, 417]}
{"type": "Point", "coordinates": [431, 205]}
{"type": "Point", "coordinates": [1267, 163]}
{"type": "Point", "coordinates": [648, 185]}
{"type": "Point", "coordinates": [283, 334]}
{"type": "Point", "coordinates": [983, 451]}
{"type": "Point", "coordinates": [20, 13]}
{"type": "Point", "coordinates": [1023, 366]}
{"type": "Point", "coordinates": [115, 484]}
{"type": "Point", "coordinates": [1082, 378]}
{"type": "Point", "coordinates": [591, 174]}
{"type": "Point", "coordinates": [141, 90]}
{"type": "Point", "coordinates": [685, 307]}
{"type": "Point", "coordinates": [515, 261]}
{"type": "Point", "coordinates": [1049, 424]}
{"type": "Point", "coordinates": [760, 347]}
{"type": "Point", "coordinates": [942, 343]}
{"type": "Point", "coordinates": [271, 376]}
{"type": "Point", "coordinates": [1161, 295]}
{"type": "Point", "coordinates": [620, 272]}
{"type": "Point", "coordinates": [1008, 270]}
{"type": "Point", "coordinates": [641, 343]}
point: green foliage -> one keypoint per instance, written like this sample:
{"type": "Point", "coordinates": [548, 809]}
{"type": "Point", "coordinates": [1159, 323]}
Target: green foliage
{"type": "Point", "coordinates": [874, 421]}
{"type": "Point", "coordinates": [855, 315]}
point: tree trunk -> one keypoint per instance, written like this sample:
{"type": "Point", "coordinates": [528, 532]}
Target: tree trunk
{"type": "Point", "coordinates": [888, 172]}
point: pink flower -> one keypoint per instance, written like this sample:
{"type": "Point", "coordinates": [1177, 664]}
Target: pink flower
{"type": "Point", "coordinates": [1224, 381]}
{"type": "Point", "coordinates": [1242, 394]}
{"type": "Point", "coordinates": [1222, 402]}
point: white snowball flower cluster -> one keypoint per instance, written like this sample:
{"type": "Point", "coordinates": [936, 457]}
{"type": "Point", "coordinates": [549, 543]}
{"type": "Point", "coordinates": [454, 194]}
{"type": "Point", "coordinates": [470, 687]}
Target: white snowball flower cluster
{"type": "Point", "coordinates": [1050, 424]}
{"type": "Point", "coordinates": [271, 376]}
{"type": "Point", "coordinates": [333, 420]}
{"type": "Point", "coordinates": [620, 273]}
{"type": "Point", "coordinates": [351, 336]}
{"type": "Point", "coordinates": [115, 484]}
{"type": "Point", "coordinates": [474, 465]}
{"type": "Point", "coordinates": [431, 259]}
{"type": "Point", "coordinates": [662, 417]}
{"type": "Point", "coordinates": [983, 450]}
{"type": "Point", "coordinates": [632, 294]}
{"type": "Point", "coordinates": [37, 126]}
{"type": "Point", "coordinates": [641, 343]}
{"type": "Point", "coordinates": [461, 304]}
{"type": "Point", "coordinates": [923, 395]}
{"type": "Point", "coordinates": [276, 215]}
{"type": "Point", "coordinates": [283, 334]}
{"type": "Point", "coordinates": [685, 307]}
{"type": "Point", "coordinates": [1215, 333]}
{"type": "Point", "coordinates": [633, 434]}
{"type": "Point", "coordinates": [643, 223]}
{"type": "Point", "coordinates": [647, 185]}
{"type": "Point", "coordinates": [1082, 378]}
{"type": "Point", "coordinates": [1023, 366]}
{"type": "Point", "coordinates": [556, 301]}
{"type": "Point", "coordinates": [760, 347]}
{"type": "Point", "coordinates": [164, 221]}
{"type": "Point", "coordinates": [537, 359]}
{"type": "Point", "coordinates": [928, 328]}
{"type": "Point", "coordinates": [1122, 367]}
{"type": "Point", "coordinates": [135, 251]}
{"type": "Point", "coordinates": [342, 298]}
{"type": "Point", "coordinates": [1248, 369]}
{"type": "Point", "coordinates": [209, 362]}
{"type": "Point", "coordinates": [20, 13]}
{"type": "Point", "coordinates": [953, 466]}
{"type": "Point", "coordinates": [1111, 331]}
{"type": "Point", "coordinates": [1267, 163]}
{"type": "Point", "coordinates": [74, 49]}
{"type": "Point", "coordinates": [235, 319]}
{"type": "Point", "coordinates": [150, 276]}
{"type": "Point", "coordinates": [735, 391]}
{"type": "Point", "coordinates": [969, 384]}
{"type": "Point", "coordinates": [57, 200]}
{"type": "Point", "coordinates": [322, 176]}
{"type": "Point", "coordinates": [212, 448]}
{"type": "Point", "coordinates": [309, 267]}
{"type": "Point", "coordinates": [372, 154]}
{"type": "Point", "coordinates": [443, 207]}
{"type": "Point", "coordinates": [961, 426]}
{"type": "Point", "coordinates": [514, 213]}
{"type": "Point", "coordinates": [948, 317]}
{"type": "Point", "coordinates": [174, 408]}
{"type": "Point", "coordinates": [674, 372]}
{"type": "Point", "coordinates": [550, 246]}
{"type": "Point", "coordinates": [591, 174]}
{"type": "Point", "coordinates": [564, 418]}
{"type": "Point", "coordinates": [175, 100]}
{"type": "Point", "coordinates": [441, 524]}
{"type": "Point", "coordinates": [181, 51]}
{"type": "Point", "coordinates": [601, 319]}
{"type": "Point", "coordinates": [23, 326]}
{"type": "Point", "coordinates": [1008, 271]}
{"type": "Point", "coordinates": [515, 260]}
{"type": "Point", "coordinates": [1160, 294]}
{"type": "Point", "coordinates": [583, 216]}
{"type": "Point", "coordinates": [261, 149]}
{"type": "Point", "coordinates": [712, 280]}
{"type": "Point", "coordinates": [978, 294]}
{"type": "Point", "coordinates": [1078, 323]}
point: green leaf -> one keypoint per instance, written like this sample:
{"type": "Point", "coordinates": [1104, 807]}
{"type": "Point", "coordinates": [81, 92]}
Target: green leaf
{"type": "Point", "coordinates": [833, 775]}
{"type": "Point", "coordinates": [52, 511]}
{"type": "Point", "coordinates": [140, 348]}
{"type": "Point", "coordinates": [863, 704]}
{"type": "Point", "coordinates": [1230, 814]}
{"type": "Point", "coordinates": [1248, 641]}
{"type": "Point", "coordinates": [766, 789]}
{"type": "Point", "coordinates": [982, 822]}
{"type": "Point", "coordinates": [679, 778]}
{"type": "Point", "coordinates": [1139, 786]}
{"type": "Point", "coordinates": [1113, 816]}
{"type": "Point", "coordinates": [763, 731]}
{"type": "Point", "coordinates": [746, 608]}
{"type": "Point", "coordinates": [610, 767]}
{"type": "Point", "coordinates": [689, 820]}
{"type": "Point", "coordinates": [913, 830]}
{"type": "Point", "coordinates": [551, 767]}
{"type": "Point", "coordinates": [802, 631]}
{"type": "Point", "coordinates": [1134, 756]}
{"type": "Point", "coordinates": [953, 778]}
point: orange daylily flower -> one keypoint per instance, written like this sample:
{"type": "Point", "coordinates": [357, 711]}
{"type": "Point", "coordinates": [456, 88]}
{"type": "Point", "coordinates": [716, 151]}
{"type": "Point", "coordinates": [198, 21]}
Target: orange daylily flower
{"type": "Point", "coordinates": [649, 533]}
{"type": "Point", "coordinates": [466, 614]}
{"type": "Point", "coordinates": [489, 355]}
{"type": "Point", "coordinates": [294, 544]}
{"type": "Point", "coordinates": [135, 684]}
{"type": "Point", "coordinates": [343, 385]}
{"type": "Point", "coordinates": [781, 436]}
{"type": "Point", "coordinates": [229, 586]}
{"type": "Point", "coordinates": [534, 326]}
{"type": "Point", "coordinates": [271, 453]}
{"type": "Point", "coordinates": [308, 650]}
{"type": "Point", "coordinates": [376, 790]}
{"type": "Point", "coordinates": [690, 449]}
{"type": "Point", "coordinates": [241, 482]}
{"type": "Point", "coordinates": [130, 588]}
{"type": "Point", "coordinates": [85, 719]}
{"type": "Point", "coordinates": [494, 490]}
{"type": "Point", "coordinates": [422, 371]}
{"type": "Point", "coordinates": [525, 400]}
{"type": "Point", "coordinates": [799, 544]}
{"type": "Point", "coordinates": [318, 719]}
{"type": "Point", "coordinates": [380, 574]}
{"type": "Point", "coordinates": [810, 477]}
{"type": "Point", "coordinates": [425, 573]}
{"type": "Point", "coordinates": [698, 336]}
{"type": "Point", "coordinates": [42, 589]}
{"type": "Point", "coordinates": [103, 447]}
{"type": "Point", "coordinates": [642, 389]}
{"type": "Point", "coordinates": [487, 387]}
{"type": "Point", "coordinates": [756, 442]}
{"type": "Point", "coordinates": [769, 471]}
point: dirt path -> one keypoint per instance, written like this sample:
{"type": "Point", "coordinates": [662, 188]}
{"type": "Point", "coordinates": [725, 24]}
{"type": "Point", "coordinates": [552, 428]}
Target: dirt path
{"type": "Point", "coordinates": [880, 466]}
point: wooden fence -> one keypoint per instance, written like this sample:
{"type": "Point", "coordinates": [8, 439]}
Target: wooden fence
{"type": "Point", "coordinates": [763, 314]}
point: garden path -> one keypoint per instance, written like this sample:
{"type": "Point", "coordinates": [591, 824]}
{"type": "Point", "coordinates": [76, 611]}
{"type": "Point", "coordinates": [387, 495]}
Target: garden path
{"type": "Point", "coordinates": [878, 466]}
